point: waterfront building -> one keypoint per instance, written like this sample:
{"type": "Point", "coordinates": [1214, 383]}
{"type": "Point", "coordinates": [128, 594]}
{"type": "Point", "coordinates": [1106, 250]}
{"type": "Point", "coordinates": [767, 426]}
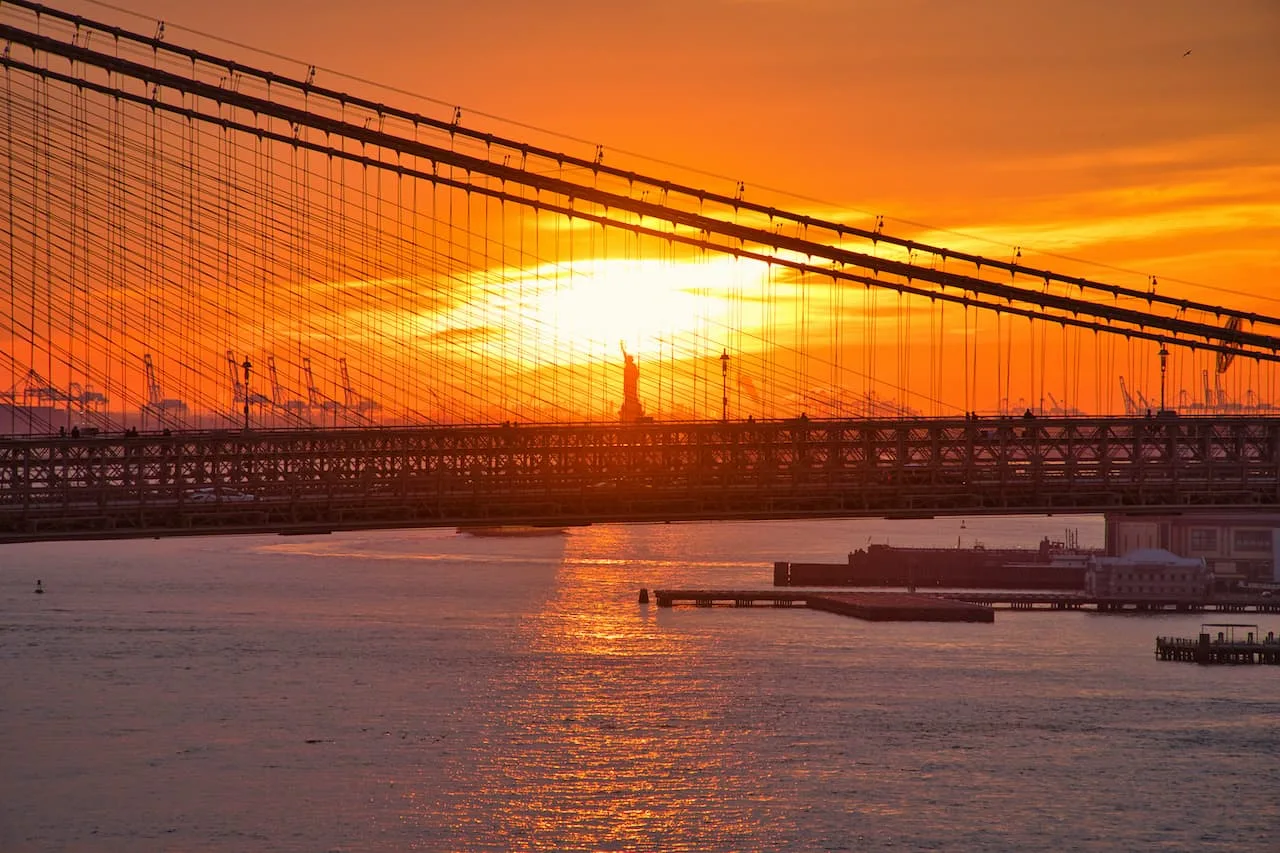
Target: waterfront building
{"type": "Point", "coordinates": [1238, 547]}
{"type": "Point", "coordinates": [1148, 573]}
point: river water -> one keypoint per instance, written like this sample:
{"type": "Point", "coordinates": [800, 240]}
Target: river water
{"type": "Point", "coordinates": [422, 690]}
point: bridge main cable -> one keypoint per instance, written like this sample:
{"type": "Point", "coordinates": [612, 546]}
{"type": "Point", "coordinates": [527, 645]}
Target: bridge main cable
{"type": "Point", "coordinates": [571, 212]}
{"type": "Point", "coordinates": [1226, 340]}
{"type": "Point", "coordinates": [666, 186]}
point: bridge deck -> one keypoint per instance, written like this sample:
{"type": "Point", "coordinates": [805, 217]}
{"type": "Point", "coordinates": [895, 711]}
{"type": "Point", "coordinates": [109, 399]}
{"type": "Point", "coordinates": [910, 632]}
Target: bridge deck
{"type": "Point", "coordinates": [287, 480]}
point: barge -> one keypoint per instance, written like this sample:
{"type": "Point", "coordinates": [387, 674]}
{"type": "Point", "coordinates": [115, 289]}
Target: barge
{"type": "Point", "coordinates": [1051, 566]}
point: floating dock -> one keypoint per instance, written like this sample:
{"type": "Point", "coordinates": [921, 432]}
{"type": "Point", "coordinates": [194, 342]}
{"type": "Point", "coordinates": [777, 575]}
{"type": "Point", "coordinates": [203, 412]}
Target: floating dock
{"type": "Point", "coordinates": [1222, 642]}
{"type": "Point", "coordinates": [873, 606]}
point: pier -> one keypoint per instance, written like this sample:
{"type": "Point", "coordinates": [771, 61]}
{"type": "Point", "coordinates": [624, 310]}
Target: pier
{"type": "Point", "coordinates": [1221, 603]}
{"type": "Point", "coordinates": [731, 597]}
{"type": "Point", "coordinates": [872, 606]}
{"type": "Point", "coordinates": [1222, 643]}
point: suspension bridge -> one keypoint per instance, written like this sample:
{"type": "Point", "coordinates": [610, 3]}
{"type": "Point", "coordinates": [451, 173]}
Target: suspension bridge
{"type": "Point", "coordinates": [324, 311]}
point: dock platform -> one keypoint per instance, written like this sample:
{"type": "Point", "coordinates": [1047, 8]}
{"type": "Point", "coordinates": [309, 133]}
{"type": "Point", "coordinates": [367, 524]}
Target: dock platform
{"type": "Point", "coordinates": [901, 607]}
{"type": "Point", "coordinates": [1221, 603]}
{"type": "Point", "coordinates": [872, 606]}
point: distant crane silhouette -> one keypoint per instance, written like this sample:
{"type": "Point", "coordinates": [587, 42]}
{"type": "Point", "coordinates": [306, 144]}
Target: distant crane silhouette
{"type": "Point", "coordinates": [238, 392]}
{"type": "Point", "coordinates": [37, 390]}
{"type": "Point", "coordinates": [86, 396]}
{"type": "Point", "coordinates": [1062, 410]}
{"type": "Point", "coordinates": [156, 401]}
{"type": "Point", "coordinates": [292, 407]}
{"type": "Point", "coordinates": [1130, 407]}
{"type": "Point", "coordinates": [316, 398]}
{"type": "Point", "coordinates": [354, 402]}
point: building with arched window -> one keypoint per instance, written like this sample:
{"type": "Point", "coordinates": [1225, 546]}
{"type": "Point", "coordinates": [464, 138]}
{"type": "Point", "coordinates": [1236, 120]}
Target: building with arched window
{"type": "Point", "coordinates": [1148, 574]}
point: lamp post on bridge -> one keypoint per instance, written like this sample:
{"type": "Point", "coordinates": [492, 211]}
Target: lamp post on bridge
{"type": "Point", "coordinates": [246, 367]}
{"type": "Point", "coordinates": [1164, 367]}
{"type": "Point", "coordinates": [724, 384]}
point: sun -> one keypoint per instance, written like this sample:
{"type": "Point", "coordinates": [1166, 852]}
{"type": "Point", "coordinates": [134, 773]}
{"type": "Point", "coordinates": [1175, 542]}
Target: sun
{"type": "Point", "coordinates": [591, 304]}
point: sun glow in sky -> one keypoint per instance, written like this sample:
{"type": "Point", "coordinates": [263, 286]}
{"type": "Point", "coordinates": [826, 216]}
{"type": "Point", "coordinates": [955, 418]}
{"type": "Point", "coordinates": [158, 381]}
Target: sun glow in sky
{"type": "Point", "coordinates": [633, 302]}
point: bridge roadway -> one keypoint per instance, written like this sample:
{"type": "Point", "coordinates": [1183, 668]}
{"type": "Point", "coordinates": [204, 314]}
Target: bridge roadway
{"type": "Point", "coordinates": [321, 480]}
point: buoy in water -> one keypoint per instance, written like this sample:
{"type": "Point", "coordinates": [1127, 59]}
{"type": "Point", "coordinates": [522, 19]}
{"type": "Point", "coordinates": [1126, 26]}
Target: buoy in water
{"type": "Point", "coordinates": [39, 590]}
{"type": "Point", "coordinates": [644, 595]}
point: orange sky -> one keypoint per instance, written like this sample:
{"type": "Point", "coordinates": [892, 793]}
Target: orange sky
{"type": "Point", "coordinates": [941, 110]}
{"type": "Point", "coordinates": [1080, 129]}
{"type": "Point", "coordinates": [1072, 126]}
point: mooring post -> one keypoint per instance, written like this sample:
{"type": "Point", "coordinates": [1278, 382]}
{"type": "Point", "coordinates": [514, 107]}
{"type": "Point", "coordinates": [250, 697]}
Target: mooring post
{"type": "Point", "coordinates": [1202, 648]}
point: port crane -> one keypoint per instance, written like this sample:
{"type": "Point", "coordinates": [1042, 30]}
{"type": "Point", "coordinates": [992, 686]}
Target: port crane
{"type": "Point", "coordinates": [292, 407]}
{"type": "Point", "coordinates": [1130, 407]}
{"type": "Point", "coordinates": [34, 416]}
{"type": "Point", "coordinates": [316, 398]}
{"type": "Point", "coordinates": [38, 398]}
{"type": "Point", "coordinates": [156, 401]}
{"type": "Point", "coordinates": [354, 402]}
{"type": "Point", "coordinates": [87, 397]}
{"type": "Point", "coordinates": [33, 393]}
{"type": "Point", "coordinates": [1061, 410]}
{"type": "Point", "coordinates": [238, 391]}
{"type": "Point", "coordinates": [36, 390]}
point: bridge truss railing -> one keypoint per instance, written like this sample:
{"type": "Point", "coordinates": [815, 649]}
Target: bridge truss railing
{"type": "Point", "coordinates": [590, 473]}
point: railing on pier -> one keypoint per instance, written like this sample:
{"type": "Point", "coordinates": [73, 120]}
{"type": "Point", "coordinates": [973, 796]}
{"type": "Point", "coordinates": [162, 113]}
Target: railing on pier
{"type": "Point", "coordinates": [1225, 648]}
